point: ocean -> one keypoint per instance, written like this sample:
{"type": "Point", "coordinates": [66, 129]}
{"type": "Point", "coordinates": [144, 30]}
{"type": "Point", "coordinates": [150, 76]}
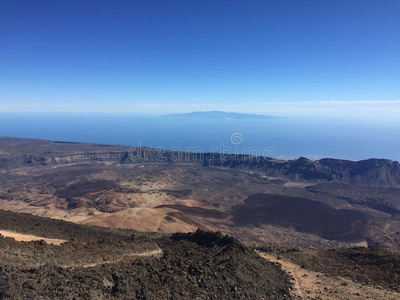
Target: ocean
{"type": "Point", "coordinates": [277, 137]}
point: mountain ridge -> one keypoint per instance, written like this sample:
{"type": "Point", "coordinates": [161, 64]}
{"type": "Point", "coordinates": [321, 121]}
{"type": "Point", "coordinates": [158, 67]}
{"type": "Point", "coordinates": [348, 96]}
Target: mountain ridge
{"type": "Point", "coordinates": [372, 172]}
{"type": "Point", "coordinates": [217, 114]}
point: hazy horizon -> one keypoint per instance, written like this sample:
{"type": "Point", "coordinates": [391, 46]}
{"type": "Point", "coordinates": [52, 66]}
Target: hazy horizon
{"type": "Point", "coordinates": [106, 72]}
{"type": "Point", "coordinates": [282, 137]}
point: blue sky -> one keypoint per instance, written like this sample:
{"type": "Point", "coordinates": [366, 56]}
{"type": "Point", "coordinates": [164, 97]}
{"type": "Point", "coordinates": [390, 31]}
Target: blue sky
{"type": "Point", "coordinates": [294, 57]}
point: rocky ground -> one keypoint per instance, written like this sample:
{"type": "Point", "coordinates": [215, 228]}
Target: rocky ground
{"type": "Point", "coordinates": [379, 268]}
{"type": "Point", "coordinates": [304, 217]}
{"type": "Point", "coordinates": [97, 263]}
{"type": "Point", "coordinates": [309, 284]}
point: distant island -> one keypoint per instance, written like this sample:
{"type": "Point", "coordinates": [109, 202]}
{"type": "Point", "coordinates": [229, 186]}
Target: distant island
{"type": "Point", "coordinates": [215, 114]}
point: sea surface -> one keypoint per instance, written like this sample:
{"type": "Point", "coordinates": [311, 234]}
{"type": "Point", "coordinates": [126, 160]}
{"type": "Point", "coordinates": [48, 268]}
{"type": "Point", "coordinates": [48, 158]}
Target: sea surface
{"type": "Point", "coordinates": [277, 137]}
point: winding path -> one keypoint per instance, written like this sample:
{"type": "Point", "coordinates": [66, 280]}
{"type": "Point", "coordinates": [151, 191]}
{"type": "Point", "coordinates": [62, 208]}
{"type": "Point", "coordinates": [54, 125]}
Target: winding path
{"type": "Point", "coordinates": [151, 253]}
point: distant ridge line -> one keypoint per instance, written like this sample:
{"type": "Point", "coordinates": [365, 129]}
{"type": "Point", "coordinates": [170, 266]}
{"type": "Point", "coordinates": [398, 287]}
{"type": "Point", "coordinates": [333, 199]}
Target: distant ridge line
{"type": "Point", "coordinates": [216, 114]}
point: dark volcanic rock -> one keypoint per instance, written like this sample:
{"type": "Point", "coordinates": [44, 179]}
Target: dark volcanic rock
{"type": "Point", "coordinates": [372, 172]}
{"type": "Point", "coordinates": [201, 265]}
{"type": "Point", "coordinates": [186, 270]}
{"type": "Point", "coordinates": [84, 188]}
{"type": "Point", "coordinates": [303, 214]}
{"type": "Point", "coordinates": [207, 239]}
{"type": "Point", "coordinates": [4, 284]}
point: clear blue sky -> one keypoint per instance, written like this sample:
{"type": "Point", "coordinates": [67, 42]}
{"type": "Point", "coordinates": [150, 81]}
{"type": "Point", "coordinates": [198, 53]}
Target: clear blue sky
{"type": "Point", "coordinates": [155, 56]}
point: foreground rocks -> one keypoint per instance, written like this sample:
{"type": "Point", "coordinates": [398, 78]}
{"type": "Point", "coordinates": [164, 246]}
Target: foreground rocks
{"type": "Point", "coordinates": [107, 265]}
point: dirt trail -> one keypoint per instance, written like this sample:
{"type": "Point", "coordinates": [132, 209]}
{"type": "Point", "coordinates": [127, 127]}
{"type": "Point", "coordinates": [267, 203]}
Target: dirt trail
{"type": "Point", "coordinates": [20, 237]}
{"type": "Point", "coordinates": [151, 253]}
{"type": "Point", "coordinates": [314, 285]}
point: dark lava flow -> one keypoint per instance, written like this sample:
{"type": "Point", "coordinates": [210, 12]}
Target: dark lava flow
{"type": "Point", "coordinates": [303, 214]}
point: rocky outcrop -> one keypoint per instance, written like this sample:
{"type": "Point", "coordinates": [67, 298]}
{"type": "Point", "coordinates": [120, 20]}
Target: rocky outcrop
{"type": "Point", "coordinates": [372, 172]}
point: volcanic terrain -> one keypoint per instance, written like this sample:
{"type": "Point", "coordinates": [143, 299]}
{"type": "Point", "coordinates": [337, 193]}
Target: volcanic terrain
{"type": "Point", "coordinates": [321, 204]}
{"type": "Point", "coordinates": [289, 229]}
